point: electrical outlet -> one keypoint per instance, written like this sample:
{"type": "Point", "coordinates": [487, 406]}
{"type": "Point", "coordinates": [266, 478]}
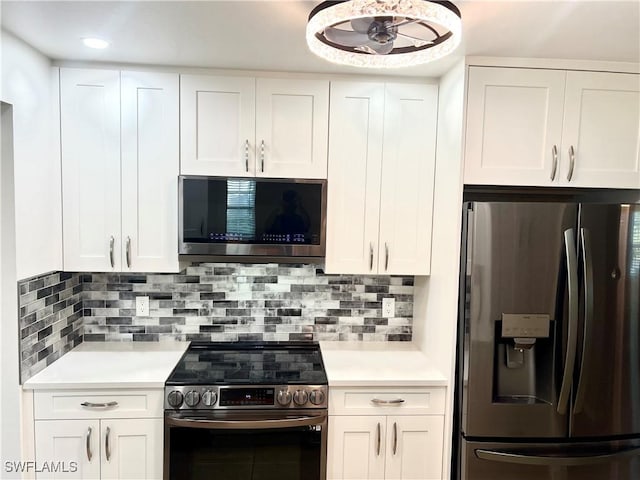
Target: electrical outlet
{"type": "Point", "coordinates": [142, 306]}
{"type": "Point", "coordinates": [388, 307]}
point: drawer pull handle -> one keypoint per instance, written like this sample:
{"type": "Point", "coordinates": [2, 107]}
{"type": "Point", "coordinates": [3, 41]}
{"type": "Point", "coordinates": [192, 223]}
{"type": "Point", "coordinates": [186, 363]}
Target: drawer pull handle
{"type": "Point", "coordinates": [107, 447]}
{"type": "Point", "coordinates": [89, 454]}
{"type": "Point", "coordinates": [99, 405]}
{"type": "Point", "coordinates": [378, 401]}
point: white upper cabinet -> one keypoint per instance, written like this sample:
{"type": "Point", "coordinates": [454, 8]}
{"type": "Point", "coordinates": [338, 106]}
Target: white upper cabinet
{"type": "Point", "coordinates": [353, 187]}
{"type": "Point", "coordinates": [119, 142]}
{"type": "Point", "coordinates": [381, 176]}
{"type": "Point", "coordinates": [552, 128]}
{"type": "Point", "coordinates": [242, 126]}
{"type": "Point", "coordinates": [602, 126]}
{"type": "Point", "coordinates": [150, 165]}
{"type": "Point", "coordinates": [217, 125]}
{"type": "Point", "coordinates": [292, 128]}
{"type": "Point", "coordinates": [408, 170]}
{"type": "Point", "coordinates": [90, 146]}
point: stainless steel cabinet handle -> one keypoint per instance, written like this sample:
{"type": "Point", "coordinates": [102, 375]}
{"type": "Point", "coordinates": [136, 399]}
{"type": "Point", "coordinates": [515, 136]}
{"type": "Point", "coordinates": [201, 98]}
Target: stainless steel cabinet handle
{"type": "Point", "coordinates": [378, 440]}
{"type": "Point", "coordinates": [587, 263]}
{"type": "Point", "coordinates": [128, 253]}
{"type": "Point", "coordinates": [386, 256]}
{"type": "Point", "coordinates": [107, 447]}
{"type": "Point", "coordinates": [88, 443]}
{"type": "Point", "coordinates": [370, 256]}
{"type": "Point", "coordinates": [99, 405]}
{"type": "Point", "coordinates": [111, 245]}
{"type": "Point", "coordinates": [570, 356]}
{"type": "Point", "coordinates": [554, 168]}
{"type": "Point", "coordinates": [262, 156]}
{"type": "Point", "coordinates": [572, 163]}
{"type": "Point", "coordinates": [396, 401]}
{"type": "Point", "coordinates": [395, 437]}
{"type": "Point", "coordinates": [246, 155]}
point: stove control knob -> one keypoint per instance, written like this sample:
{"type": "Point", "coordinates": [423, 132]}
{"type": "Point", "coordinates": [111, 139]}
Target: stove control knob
{"type": "Point", "coordinates": [209, 398]}
{"type": "Point", "coordinates": [317, 397]}
{"type": "Point", "coordinates": [300, 397]}
{"type": "Point", "coordinates": [192, 398]}
{"type": "Point", "coordinates": [284, 397]}
{"type": "Point", "coordinates": [174, 398]}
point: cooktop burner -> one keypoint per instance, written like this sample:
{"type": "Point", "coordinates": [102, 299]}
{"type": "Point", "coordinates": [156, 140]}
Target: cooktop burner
{"type": "Point", "coordinates": [250, 364]}
{"type": "Point", "coordinates": [224, 375]}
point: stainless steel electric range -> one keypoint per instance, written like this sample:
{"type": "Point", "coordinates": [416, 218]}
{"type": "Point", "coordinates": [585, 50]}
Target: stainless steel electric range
{"type": "Point", "coordinates": [247, 411]}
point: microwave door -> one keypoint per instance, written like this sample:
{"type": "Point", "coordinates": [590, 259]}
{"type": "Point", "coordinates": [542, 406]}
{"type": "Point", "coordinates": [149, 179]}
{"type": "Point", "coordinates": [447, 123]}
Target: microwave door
{"type": "Point", "coordinates": [518, 272]}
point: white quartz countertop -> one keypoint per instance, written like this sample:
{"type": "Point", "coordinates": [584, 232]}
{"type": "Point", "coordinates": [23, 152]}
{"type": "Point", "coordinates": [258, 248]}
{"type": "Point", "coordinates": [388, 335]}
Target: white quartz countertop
{"type": "Point", "coordinates": [376, 364]}
{"type": "Point", "coordinates": [111, 365]}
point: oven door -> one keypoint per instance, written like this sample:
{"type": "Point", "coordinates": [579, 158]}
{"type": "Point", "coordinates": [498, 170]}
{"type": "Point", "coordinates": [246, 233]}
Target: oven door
{"type": "Point", "coordinates": [245, 445]}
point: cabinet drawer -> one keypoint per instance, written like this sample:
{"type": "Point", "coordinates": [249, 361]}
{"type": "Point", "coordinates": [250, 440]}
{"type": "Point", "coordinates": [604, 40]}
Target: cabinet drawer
{"type": "Point", "coordinates": [373, 401]}
{"type": "Point", "coordinates": [68, 404]}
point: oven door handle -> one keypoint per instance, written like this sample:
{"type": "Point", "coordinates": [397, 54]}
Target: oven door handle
{"type": "Point", "coordinates": [254, 424]}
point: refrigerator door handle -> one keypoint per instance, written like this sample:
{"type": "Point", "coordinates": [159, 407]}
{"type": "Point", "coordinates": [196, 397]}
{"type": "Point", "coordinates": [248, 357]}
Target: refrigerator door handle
{"type": "Point", "coordinates": [523, 458]}
{"type": "Point", "coordinates": [587, 262]}
{"type": "Point", "coordinates": [572, 336]}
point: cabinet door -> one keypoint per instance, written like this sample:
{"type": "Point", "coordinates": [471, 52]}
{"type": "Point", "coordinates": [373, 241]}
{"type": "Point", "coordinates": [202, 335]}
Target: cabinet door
{"type": "Point", "coordinates": [90, 145]}
{"type": "Point", "coordinates": [132, 449]}
{"type": "Point", "coordinates": [217, 125]}
{"type": "Point", "coordinates": [355, 161]}
{"type": "Point", "coordinates": [602, 124]}
{"type": "Point", "coordinates": [356, 448]}
{"type": "Point", "coordinates": [414, 447]}
{"type": "Point", "coordinates": [71, 447]}
{"type": "Point", "coordinates": [408, 168]}
{"type": "Point", "coordinates": [291, 128]}
{"type": "Point", "coordinates": [150, 166]}
{"type": "Point", "coordinates": [514, 121]}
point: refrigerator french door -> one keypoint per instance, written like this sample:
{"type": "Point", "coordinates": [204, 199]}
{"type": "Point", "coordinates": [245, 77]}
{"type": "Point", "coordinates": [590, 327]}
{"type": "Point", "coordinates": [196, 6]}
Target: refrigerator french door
{"type": "Point", "coordinates": [549, 352]}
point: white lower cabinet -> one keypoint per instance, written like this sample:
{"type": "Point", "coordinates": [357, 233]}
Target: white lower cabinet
{"type": "Point", "coordinates": [100, 449]}
{"type": "Point", "coordinates": [79, 435]}
{"type": "Point", "coordinates": [379, 447]}
{"type": "Point", "coordinates": [380, 434]}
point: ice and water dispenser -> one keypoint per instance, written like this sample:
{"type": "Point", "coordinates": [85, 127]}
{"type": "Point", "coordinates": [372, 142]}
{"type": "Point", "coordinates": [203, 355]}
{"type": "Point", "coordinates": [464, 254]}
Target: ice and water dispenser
{"type": "Point", "coordinates": [523, 359]}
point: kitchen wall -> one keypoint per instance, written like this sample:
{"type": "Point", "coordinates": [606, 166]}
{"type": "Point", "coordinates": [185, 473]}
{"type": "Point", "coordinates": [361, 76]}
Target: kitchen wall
{"type": "Point", "coordinates": [30, 85]}
{"type": "Point", "coordinates": [31, 212]}
{"type": "Point", "coordinates": [212, 302]}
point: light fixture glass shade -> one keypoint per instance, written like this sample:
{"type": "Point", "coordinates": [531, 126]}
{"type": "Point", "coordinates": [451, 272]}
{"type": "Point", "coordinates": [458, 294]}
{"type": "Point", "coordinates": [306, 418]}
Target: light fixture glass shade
{"type": "Point", "coordinates": [331, 22]}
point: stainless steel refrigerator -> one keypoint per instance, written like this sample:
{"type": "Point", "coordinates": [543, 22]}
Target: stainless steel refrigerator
{"type": "Point", "coordinates": [548, 377]}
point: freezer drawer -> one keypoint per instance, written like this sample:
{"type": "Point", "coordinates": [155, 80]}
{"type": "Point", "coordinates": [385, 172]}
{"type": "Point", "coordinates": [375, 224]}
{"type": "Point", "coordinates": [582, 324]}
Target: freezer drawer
{"type": "Point", "coordinates": [577, 461]}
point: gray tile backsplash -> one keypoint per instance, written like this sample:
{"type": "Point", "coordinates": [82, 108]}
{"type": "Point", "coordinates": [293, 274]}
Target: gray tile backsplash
{"type": "Point", "coordinates": [50, 310]}
{"type": "Point", "coordinates": [213, 301]}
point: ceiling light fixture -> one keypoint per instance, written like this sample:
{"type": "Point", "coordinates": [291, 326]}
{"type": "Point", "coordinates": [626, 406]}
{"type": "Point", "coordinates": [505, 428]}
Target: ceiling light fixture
{"type": "Point", "coordinates": [383, 33]}
{"type": "Point", "coordinates": [95, 43]}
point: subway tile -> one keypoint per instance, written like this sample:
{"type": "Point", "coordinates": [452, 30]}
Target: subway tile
{"type": "Point", "coordinates": [221, 301]}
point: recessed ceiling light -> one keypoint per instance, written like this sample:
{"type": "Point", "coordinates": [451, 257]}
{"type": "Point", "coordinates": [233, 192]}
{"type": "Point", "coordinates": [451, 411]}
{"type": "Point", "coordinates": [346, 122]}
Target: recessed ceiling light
{"type": "Point", "coordinates": [95, 43]}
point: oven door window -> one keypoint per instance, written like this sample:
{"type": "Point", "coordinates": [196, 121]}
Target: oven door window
{"type": "Point", "coordinates": [251, 454]}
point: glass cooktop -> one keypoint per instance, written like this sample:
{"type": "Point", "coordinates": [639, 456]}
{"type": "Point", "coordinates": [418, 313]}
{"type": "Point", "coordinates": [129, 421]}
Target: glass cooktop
{"type": "Point", "coordinates": [268, 363]}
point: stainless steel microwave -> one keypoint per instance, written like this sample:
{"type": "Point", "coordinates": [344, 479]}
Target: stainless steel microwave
{"type": "Point", "coordinates": [272, 217]}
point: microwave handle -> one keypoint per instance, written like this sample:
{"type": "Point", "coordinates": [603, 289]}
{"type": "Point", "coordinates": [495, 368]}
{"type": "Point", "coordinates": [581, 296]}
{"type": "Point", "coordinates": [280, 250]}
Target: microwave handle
{"type": "Point", "coordinates": [246, 424]}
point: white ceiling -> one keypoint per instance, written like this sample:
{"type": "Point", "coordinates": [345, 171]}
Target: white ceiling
{"type": "Point", "coordinates": [269, 34]}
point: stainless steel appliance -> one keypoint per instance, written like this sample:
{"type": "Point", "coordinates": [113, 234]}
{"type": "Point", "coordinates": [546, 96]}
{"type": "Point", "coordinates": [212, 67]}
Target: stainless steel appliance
{"type": "Point", "coordinates": [548, 378]}
{"type": "Point", "coordinates": [247, 411]}
{"type": "Point", "coordinates": [257, 217]}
